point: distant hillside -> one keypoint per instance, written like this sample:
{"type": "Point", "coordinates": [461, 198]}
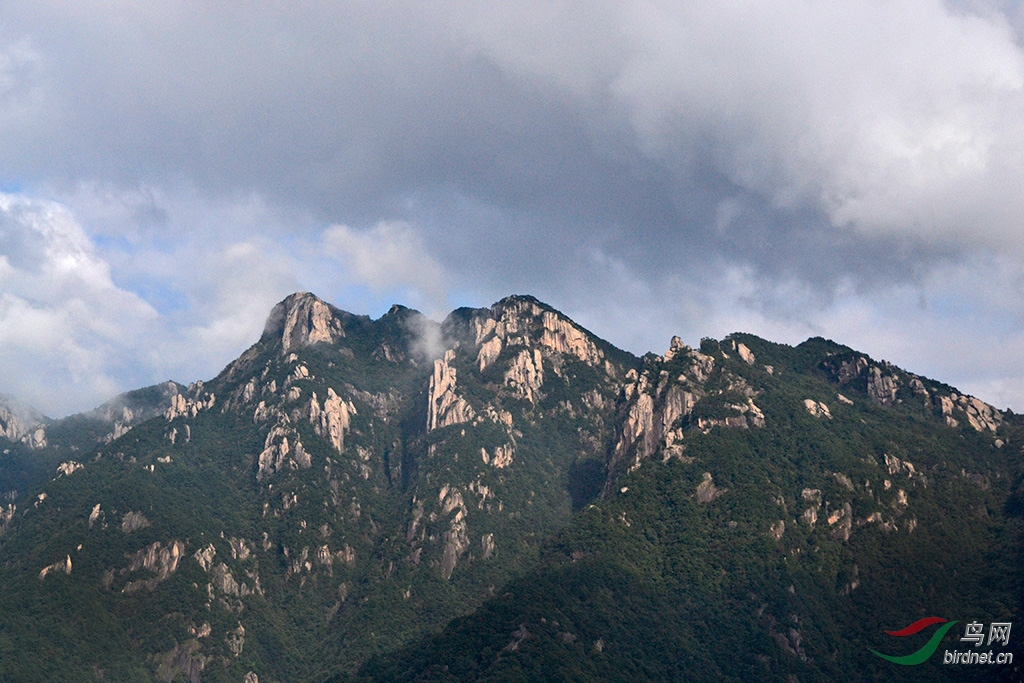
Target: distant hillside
{"type": "Point", "coordinates": [32, 445]}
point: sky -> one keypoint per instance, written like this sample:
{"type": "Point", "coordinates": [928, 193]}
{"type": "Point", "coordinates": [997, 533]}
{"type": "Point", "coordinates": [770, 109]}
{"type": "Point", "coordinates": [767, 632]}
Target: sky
{"type": "Point", "coordinates": [169, 170]}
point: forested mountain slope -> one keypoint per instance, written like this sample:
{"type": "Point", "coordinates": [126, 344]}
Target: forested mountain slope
{"type": "Point", "coordinates": [338, 494]}
{"type": "Point", "coordinates": [770, 513]}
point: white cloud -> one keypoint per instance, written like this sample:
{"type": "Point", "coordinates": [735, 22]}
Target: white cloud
{"type": "Point", "coordinates": [893, 117]}
{"type": "Point", "coordinates": [391, 258]}
{"type": "Point", "coordinates": [63, 321]}
{"type": "Point", "coordinates": [71, 335]}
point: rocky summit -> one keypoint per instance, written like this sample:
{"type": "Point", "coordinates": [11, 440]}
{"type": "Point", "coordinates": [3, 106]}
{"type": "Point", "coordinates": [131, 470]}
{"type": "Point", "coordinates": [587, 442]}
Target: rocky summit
{"type": "Point", "coordinates": [505, 496]}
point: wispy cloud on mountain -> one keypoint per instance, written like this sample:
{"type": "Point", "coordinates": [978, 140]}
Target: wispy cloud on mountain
{"type": "Point", "coordinates": [850, 169]}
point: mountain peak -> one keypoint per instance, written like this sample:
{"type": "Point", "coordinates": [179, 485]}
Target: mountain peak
{"type": "Point", "coordinates": [302, 319]}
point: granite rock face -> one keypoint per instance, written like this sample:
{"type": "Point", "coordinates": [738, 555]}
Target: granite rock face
{"type": "Point", "coordinates": [303, 320]}
{"type": "Point", "coordinates": [22, 423]}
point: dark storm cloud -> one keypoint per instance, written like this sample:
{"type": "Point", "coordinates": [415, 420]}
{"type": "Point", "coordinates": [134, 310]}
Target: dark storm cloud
{"type": "Point", "coordinates": [352, 110]}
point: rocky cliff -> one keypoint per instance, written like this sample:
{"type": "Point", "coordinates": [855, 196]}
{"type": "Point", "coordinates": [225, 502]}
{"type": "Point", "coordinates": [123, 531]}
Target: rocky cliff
{"type": "Point", "coordinates": [22, 423]}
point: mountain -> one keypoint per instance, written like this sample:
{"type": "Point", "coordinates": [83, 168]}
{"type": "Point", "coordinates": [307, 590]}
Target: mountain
{"type": "Point", "coordinates": [506, 496]}
{"type": "Point", "coordinates": [34, 445]}
{"type": "Point", "coordinates": [770, 513]}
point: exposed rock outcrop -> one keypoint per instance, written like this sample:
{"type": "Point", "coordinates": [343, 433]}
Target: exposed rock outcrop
{"type": "Point", "coordinates": [19, 422]}
{"type": "Point", "coordinates": [332, 420]}
{"type": "Point", "coordinates": [747, 414]}
{"type": "Point", "coordinates": [303, 320]}
{"type": "Point", "coordinates": [157, 558]}
{"type": "Point", "coordinates": [501, 458]}
{"type": "Point", "coordinates": [882, 383]}
{"type": "Point", "coordinates": [945, 406]}
{"type": "Point", "coordinates": [11, 426]}
{"type": "Point", "coordinates": [444, 406]}
{"type": "Point", "coordinates": [662, 400]}
{"type": "Point", "coordinates": [240, 549]}
{"type": "Point", "coordinates": [94, 515]}
{"type": "Point", "coordinates": [172, 434]}
{"type": "Point", "coordinates": [525, 375]}
{"type": "Point", "coordinates": [522, 321]}
{"type": "Point", "coordinates": [121, 427]}
{"type": "Point", "coordinates": [123, 412]}
{"type": "Point", "coordinates": [7, 516]}
{"type": "Point", "coordinates": [189, 406]}
{"type": "Point", "coordinates": [488, 545]}
{"type": "Point", "coordinates": [745, 354]}
{"type": "Point", "coordinates": [415, 530]}
{"type": "Point", "coordinates": [235, 640]}
{"type": "Point", "coordinates": [896, 466]}
{"type": "Point", "coordinates": [706, 489]}
{"type": "Point", "coordinates": [456, 537]}
{"type": "Point", "coordinates": [651, 424]}
{"type": "Point", "coordinates": [881, 387]}
{"type": "Point", "coordinates": [68, 468]}
{"type": "Point", "coordinates": [849, 369]}
{"type": "Point", "coordinates": [204, 556]}
{"type": "Point", "coordinates": [130, 522]}
{"type": "Point", "coordinates": [282, 450]}
{"type": "Point", "coordinates": [842, 522]}
{"type": "Point", "coordinates": [919, 389]}
{"type": "Point", "coordinates": [817, 408]}
{"type": "Point", "coordinates": [639, 428]}
{"type": "Point", "coordinates": [843, 480]}
{"type": "Point", "coordinates": [561, 336]}
{"type": "Point", "coordinates": [489, 352]}
{"type": "Point", "coordinates": [980, 415]}
{"type": "Point", "coordinates": [60, 566]}
{"type": "Point", "coordinates": [184, 658]}
{"type": "Point", "coordinates": [224, 581]}
{"type": "Point", "coordinates": [36, 438]}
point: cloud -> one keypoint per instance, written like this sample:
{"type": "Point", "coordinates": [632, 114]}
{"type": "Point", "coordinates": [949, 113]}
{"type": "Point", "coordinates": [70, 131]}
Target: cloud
{"type": "Point", "coordinates": [886, 117]}
{"type": "Point", "coordinates": [428, 342]}
{"type": "Point", "coordinates": [702, 166]}
{"type": "Point", "coordinates": [390, 258]}
{"type": "Point", "coordinates": [63, 321]}
{"type": "Point", "coordinates": [76, 321]}
{"type": "Point", "coordinates": [172, 285]}
{"type": "Point", "coordinates": [643, 118]}
{"type": "Point", "coordinates": [962, 324]}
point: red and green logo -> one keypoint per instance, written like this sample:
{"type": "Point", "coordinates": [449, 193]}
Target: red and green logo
{"type": "Point", "coordinates": [929, 648]}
